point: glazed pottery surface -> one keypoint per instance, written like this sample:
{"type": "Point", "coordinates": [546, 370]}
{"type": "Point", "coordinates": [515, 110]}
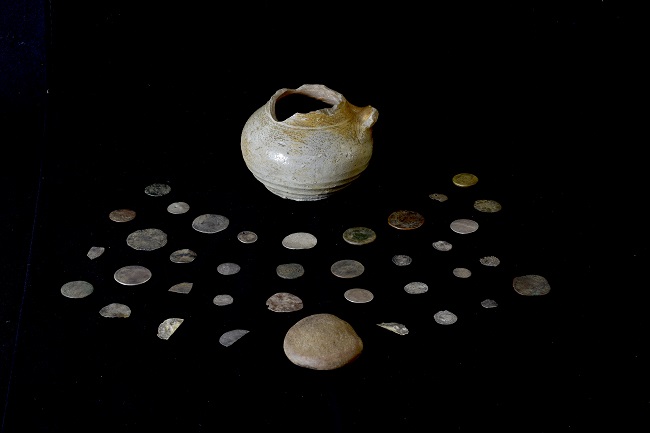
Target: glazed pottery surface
{"type": "Point", "coordinates": [309, 156]}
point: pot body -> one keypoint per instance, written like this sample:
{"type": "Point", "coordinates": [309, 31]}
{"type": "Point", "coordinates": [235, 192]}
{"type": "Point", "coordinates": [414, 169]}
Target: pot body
{"type": "Point", "coordinates": [309, 156]}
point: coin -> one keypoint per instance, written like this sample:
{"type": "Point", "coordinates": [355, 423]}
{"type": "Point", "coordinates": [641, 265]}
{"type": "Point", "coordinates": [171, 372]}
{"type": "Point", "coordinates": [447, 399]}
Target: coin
{"type": "Point", "coordinates": [182, 256]}
{"type": "Point", "coordinates": [405, 220]}
{"type": "Point", "coordinates": [299, 241]}
{"type": "Point", "coordinates": [95, 252]}
{"type": "Point", "coordinates": [442, 245]}
{"type": "Point", "coordinates": [489, 261]}
{"type": "Point", "coordinates": [183, 288]}
{"type": "Point", "coordinates": [246, 237]}
{"type": "Point", "coordinates": [531, 285]}
{"type": "Point", "coordinates": [115, 310]}
{"type": "Point", "coordinates": [157, 189]}
{"type": "Point", "coordinates": [228, 268]}
{"type": "Point", "coordinates": [178, 207]}
{"type": "Point", "coordinates": [464, 179]}
{"type": "Point", "coordinates": [210, 223]}
{"type": "Point", "coordinates": [445, 317]}
{"type": "Point", "coordinates": [228, 338]}
{"type": "Point", "coordinates": [462, 272]}
{"type": "Point", "coordinates": [464, 226]}
{"type": "Point", "coordinates": [402, 260]}
{"type": "Point", "coordinates": [416, 288]}
{"type": "Point", "coordinates": [147, 239]}
{"type": "Point", "coordinates": [489, 206]}
{"type": "Point", "coordinates": [358, 296]}
{"type": "Point", "coordinates": [438, 197]}
{"type": "Point", "coordinates": [347, 268]}
{"type": "Point", "coordinates": [359, 235]}
{"type": "Point", "coordinates": [284, 302]}
{"type": "Point", "coordinates": [489, 303]}
{"type": "Point", "coordinates": [77, 289]}
{"type": "Point", "coordinates": [221, 300]}
{"type": "Point", "coordinates": [132, 275]}
{"type": "Point", "coordinates": [289, 271]}
{"type": "Point", "coordinates": [121, 215]}
{"type": "Point", "coordinates": [397, 328]}
{"type": "Point", "coordinates": [168, 327]}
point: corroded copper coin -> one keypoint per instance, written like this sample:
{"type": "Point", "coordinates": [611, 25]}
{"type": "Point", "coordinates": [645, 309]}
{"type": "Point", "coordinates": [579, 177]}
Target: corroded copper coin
{"type": "Point", "coordinates": [442, 245]}
{"type": "Point", "coordinates": [182, 256]}
{"type": "Point", "coordinates": [210, 223]}
{"type": "Point", "coordinates": [462, 272]}
{"type": "Point", "coordinates": [246, 237]}
{"type": "Point", "coordinates": [157, 189]}
{"type": "Point", "coordinates": [76, 289]}
{"type": "Point", "coordinates": [405, 220]}
{"type": "Point", "coordinates": [132, 275]}
{"type": "Point", "coordinates": [115, 310]}
{"type": "Point", "coordinates": [122, 215]}
{"type": "Point", "coordinates": [416, 288]}
{"type": "Point", "coordinates": [347, 268]}
{"type": "Point", "coordinates": [531, 285]}
{"type": "Point", "coordinates": [438, 197]}
{"type": "Point", "coordinates": [299, 241]}
{"type": "Point", "coordinates": [228, 268]}
{"type": "Point", "coordinates": [221, 300]}
{"type": "Point", "coordinates": [177, 208]}
{"type": "Point", "coordinates": [183, 288]}
{"type": "Point", "coordinates": [464, 226]}
{"type": "Point", "coordinates": [358, 296]}
{"type": "Point", "coordinates": [289, 271]}
{"type": "Point", "coordinates": [147, 239]}
{"type": "Point", "coordinates": [228, 338]}
{"type": "Point", "coordinates": [488, 206]}
{"type": "Point", "coordinates": [464, 179]}
{"type": "Point", "coordinates": [284, 302]}
{"type": "Point", "coordinates": [359, 235]}
{"type": "Point", "coordinates": [445, 317]}
{"type": "Point", "coordinates": [402, 260]}
{"type": "Point", "coordinates": [168, 327]}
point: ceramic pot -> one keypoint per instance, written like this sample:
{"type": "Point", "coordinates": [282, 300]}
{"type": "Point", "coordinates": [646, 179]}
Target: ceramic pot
{"type": "Point", "coordinates": [309, 156]}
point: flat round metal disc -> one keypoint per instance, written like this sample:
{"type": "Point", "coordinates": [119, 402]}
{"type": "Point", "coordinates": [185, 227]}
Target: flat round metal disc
{"type": "Point", "coordinates": [157, 189]}
{"type": "Point", "coordinates": [438, 197]}
{"type": "Point", "coordinates": [210, 223]}
{"type": "Point", "coordinates": [488, 206]}
{"type": "Point", "coordinates": [221, 300]}
{"type": "Point", "coordinates": [358, 296]}
{"type": "Point", "coordinates": [347, 268]}
{"type": "Point", "coordinates": [462, 272]}
{"type": "Point", "coordinates": [402, 260]}
{"type": "Point", "coordinates": [168, 327]}
{"type": "Point", "coordinates": [531, 285]}
{"type": "Point", "coordinates": [147, 239]}
{"type": "Point", "coordinates": [77, 289]}
{"type": "Point", "coordinates": [228, 268]}
{"type": "Point", "coordinates": [289, 271]}
{"type": "Point", "coordinates": [359, 235]}
{"type": "Point", "coordinates": [416, 288]}
{"type": "Point", "coordinates": [489, 261]}
{"type": "Point", "coordinates": [230, 337]}
{"type": "Point", "coordinates": [464, 226]}
{"type": "Point", "coordinates": [115, 310]}
{"type": "Point", "coordinates": [178, 208]}
{"type": "Point", "coordinates": [246, 237]}
{"type": "Point", "coordinates": [299, 241]}
{"type": "Point", "coordinates": [442, 245]}
{"type": "Point", "coordinates": [397, 328]}
{"type": "Point", "coordinates": [489, 303]}
{"type": "Point", "coordinates": [284, 302]}
{"type": "Point", "coordinates": [183, 288]}
{"type": "Point", "coordinates": [95, 252]}
{"type": "Point", "coordinates": [121, 215]}
{"type": "Point", "coordinates": [182, 256]}
{"type": "Point", "coordinates": [132, 275]}
{"type": "Point", "coordinates": [405, 220]}
{"type": "Point", "coordinates": [445, 317]}
{"type": "Point", "coordinates": [464, 179]}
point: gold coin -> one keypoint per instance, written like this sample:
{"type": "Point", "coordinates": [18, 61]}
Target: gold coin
{"type": "Point", "coordinates": [405, 220]}
{"type": "Point", "coordinates": [489, 206]}
{"type": "Point", "coordinates": [464, 179]}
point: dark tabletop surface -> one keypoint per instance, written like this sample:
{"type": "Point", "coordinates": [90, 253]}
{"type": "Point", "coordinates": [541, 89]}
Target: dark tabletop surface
{"type": "Point", "coordinates": [103, 99]}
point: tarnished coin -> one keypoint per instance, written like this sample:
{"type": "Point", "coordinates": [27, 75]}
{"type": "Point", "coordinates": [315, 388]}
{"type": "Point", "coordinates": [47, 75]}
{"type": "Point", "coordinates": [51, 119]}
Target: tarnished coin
{"type": "Point", "coordinates": [77, 289]}
{"type": "Point", "coordinates": [531, 285]}
{"type": "Point", "coordinates": [221, 300]}
{"type": "Point", "coordinates": [115, 310]}
{"type": "Point", "coordinates": [488, 206]}
{"type": "Point", "coordinates": [489, 303]}
{"type": "Point", "coordinates": [168, 327]}
{"type": "Point", "coordinates": [289, 271]}
{"type": "Point", "coordinates": [347, 268]}
{"type": "Point", "coordinates": [182, 256]}
{"type": "Point", "coordinates": [246, 237]}
{"type": "Point", "coordinates": [299, 241]}
{"type": "Point", "coordinates": [397, 328]}
{"type": "Point", "coordinates": [230, 337]}
{"type": "Point", "coordinates": [210, 223]}
{"type": "Point", "coordinates": [359, 235]}
{"type": "Point", "coordinates": [122, 215]}
{"type": "Point", "coordinates": [358, 296]}
{"type": "Point", "coordinates": [228, 268]}
{"type": "Point", "coordinates": [183, 288]}
{"type": "Point", "coordinates": [402, 260]}
{"type": "Point", "coordinates": [405, 220]}
{"type": "Point", "coordinates": [464, 179]}
{"type": "Point", "coordinates": [442, 245]}
{"type": "Point", "coordinates": [95, 252]}
{"type": "Point", "coordinates": [489, 261]}
{"type": "Point", "coordinates": [445, 317]}
{"type": "Point", "coordinates": [147, 239]}
{"type": "Point", "coordinates": [464, 226]}
{"type": "Point", "coordinates": [284, 302]}
{"type": "Point", "coordinates": [178, 208]}
{"type": "Point", "coordinates": [462, 272]}
{"type": "Point", "coordinates": [416, 288]}
{"type": "Point", "coordinates": [157, 189]}
{"type": "Point", "coordinates": [438, 197]}
{"type": "Point", "coordinates": [132, 275]}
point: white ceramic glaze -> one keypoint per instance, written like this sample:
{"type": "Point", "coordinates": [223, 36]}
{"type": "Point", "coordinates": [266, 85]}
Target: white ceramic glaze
{"type": "Point", "coordinates": [309, 156]}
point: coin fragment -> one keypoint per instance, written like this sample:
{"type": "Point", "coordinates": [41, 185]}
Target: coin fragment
{"type": "Point", "coordinates": [488, 206]}
{"type": "Point", "coordinates": [397, 328]}
{"type": "Point", "coordinates": [132, 275]}
{"type": "Point", "coordinates": [359, 235]}
{"type": "Point", "coordinates": [230, 337]}
{"type": "Point", "coordinates": [147, 239]}
{"type": "Point", "coordinates": [95, 252]}
{"type": "Point", "coordinates": [405, 220]}
{"type": "Point", "coordinates": [489, 303]}
{"type": "Point", "coordinates": [464, 226]}
{"type": "Point", "coordinates": [228, 268]}
{"type": "Point", "coordinates": [221, 300]}
{"type": "Point", "coordinates": [182, 256]}
{"type": "Point", "coordinates": [464, 179]}
{"type": "Point", "coordinates": [442, 245]}
{"type": "Point", "coordinates": [121, 215]}
{"type": "Point", "coordinates": [438, 197]}
{"type": "Point", "coordinates": [246, 237]}
{"type": "Point", "coordinates": [416, 288]}
{"type": "Point", "coordinates": [284, 302]}
{"type": "Point", "coordinates": [531, 285]}
{"type": "Point", "coordinates": [157, 189]}
{"type": "Point", "coordinates": [347, 268]}
{"type": "Point", "coordinates": [289, 271]}
{"type": "Point", "coordinates": [358, 296]}
{"type": "Point", "coordinates": [462, 272]}
{"type": "Point", "coordinates": [77, 289]}
{"type": "Point", "coordinates": [445, 317]}
{"type": "Point", "coordinates": [177, 208]}
{"type": "Point", "coordinates": [299, 241]}
{"type": "Point", "coordinates": [210, 223]}
{"type": "Point", "coordinates": [115, 310]}
{"type": "Point", "coordinates": [402, 260]}
{"type": "Point", "coordinates": [489, 261]}
{"type": "Point", "coordinates": [183, 288]}
{"type": "Point", "coordinates": [168, 327]}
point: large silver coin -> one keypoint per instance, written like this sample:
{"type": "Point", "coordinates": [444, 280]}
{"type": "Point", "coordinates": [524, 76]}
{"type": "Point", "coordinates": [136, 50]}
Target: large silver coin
{"type": "Point", "coordinates": [464, 226]}
{"type": "Point", "coordinates": [115, 310]}
{"type": "Point", "coordinates": [182, 256]}
{"type": "Point", "coordinates": [358, 296]}
{"type": "Point", "coordinates": [228, 268]}
{"type": "Point", "coordinates": [402, 260]}
{"type": "Point", "coordinates": [462, 272]}
{"type": "Point", "coordinates": [442, 245]}
{"type": "Point", "coordinates": [488, 206]}
{"type": "Point", "coordinates": [210, 223]}
{"type": "Point", "coordinates": [531, 285]}
{"type": "Point", "coordinates": [359, 235]}
{"type": "Point", "coordinates": [183, 288]}
{"type": "Point", "coordinates": [157, 189]}
{"type": "Point", "coordinates": [416, 288]}
{"type": "Point", "coordinates": [168, 327]}
{"type": "Point", "coordinates": [132, 275]}
{"type": "Point", "coordinates": [299, 241]}
{"type": "Point", "coordinates": [121, 215]}
{"type": "Point", "coordinates": [230, 337]}
{"type": "Point", "coordinates": [284, 303]}
{"type": "Point", "coordinates": [221, 300]}
{"type": "Point", "coordinates": [405, 220]}
{"type": "Point", "coordinates": [289, 271]}
{"type": "Point", "coordinates": [77, 289]}
{"type": "Point", "coordinates": [246, 237]}
{"type": "Point", "coordinates": [445, 317]}
{"type": "Point", "coordinates": [147, 239]}
{"type": "Point", "coordinates": [178, 208]}
{"type": "Point", "coordinates": [95, 252]}
{"type": "Point", "coordinates": [347, 268]}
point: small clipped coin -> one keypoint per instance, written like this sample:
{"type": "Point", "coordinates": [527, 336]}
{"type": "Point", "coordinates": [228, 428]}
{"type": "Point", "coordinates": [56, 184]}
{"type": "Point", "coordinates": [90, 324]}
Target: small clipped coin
{"type": "Point", "coordinates": [221, 300]}
{"type": "Point", "coordinates": [489, 261]}
{"type": "Point", "coordinates": [284, 302]}
{"type": "Point", "coordinates": [182, 256]}
{"type": "Point", "coordinates": [489, 303]}
{"type": "Point", "coordinates": [442, 245]}
{"type": "Point", "coordinates": [531, 285]}
{"type": "Point", "coordinates": [230, 337]}
{"type": "Point", "coordinates": [77, 289]}
{"type": "Point", "coordinates": [299, 241]}
{"type": "Point", "coordinates": [177, 208]}
{"type": "Point", "coordinates": [157, 189]}
{"type": "Point", "coordinates": [210, 223]}
{"type": "Point", "coordinates": [95, 252]}
{"type": "Point", "coordinates": [464, 226]}
{"type": "Point", "coordinates": [405, 220]}
{"type": "Point", "coordinates": [121, 215]}
{"type": "Point", "coordinates": [488, 206]}
{"type": "Point", "coordinates": [183, 288]}
{"type": "Point", "coordinates": [228, 268]}
{"type": "Point", "coordinates": [347, 268]}
{"type": "Point", "coordinates": [168, 327]}
{"type": "Point", "coordinates": [147, 239]}
{"type": "Point", "coordinates": [402, 260]}
{"type": "Point", "coordinates": [289, 271]}
{"type": "Point", "coordinates": [358, 296]}
{"type": "Point", "coordinates": [132, 275]}
{"type": "Point", "coordinates": [397, 328]}
{"type": "Point", "coordinates": [438, 197]}
{"type": "Point", "coordinates": [464, 179]}
{"type": "Point", "coordinates": [462, 272]}
{"type": "Point", "coordinates": [115, 310]}
{"type": "Point", "coordinates": [247, 237]}
{"type": "Point", "coordinates": [416, 288]}
{"type": "Point", "coordinates": [445, 317]}
{"type": "Point", "coordinates": [359, 235]}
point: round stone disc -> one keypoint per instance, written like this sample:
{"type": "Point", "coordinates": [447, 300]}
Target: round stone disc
{"type": "Point", "coordinates": [464, 226]}
{"type": "Point", "coordinates": [182, 256]}
{"type": "Point", "coordinates": [402, 260]}
{"type": "Point", "coordinates": [228, 268]}
{"type": "Point", "coordinates": [284, 302]}
{"type": "Point", "coordinates": [289, 271]}
{"type": "Point", "coordinates": [405, 220]}
{"type": "Point", "coordinates": [531, 285]}
{"type": "Point", "coordinates": [358, 296]}
{"type": "Point", "coordinates": [445, 317]}
{"type": "Point", "coordinates": [77, 289]}
{"type": "Point", "coordinates": [490, 261]}
{"type": "Point", "coordinates": [488, 206]}
{"type": "Point", "coordinates": [299, 241]}
{"type": "Point", "coordinates": [462, 272]}
{"type": "Point", "coordinates": [178, 208]}
{"type": "Point", "coordinates": [416, 288]}
{"type": "Point", "coordinates": [246, 237]}
{"type": "Point", "coordinates": [230, 337]}
{"type": "Point", "coordinates": [157, 189]}
{"type": "Point", "coordinates": [464, 179]}
{"type": "Point", "coordinates": [115, 310]}
{"type": "Point", "coordinates": [183, 288]}
{"type": "Point", "coordinates": [359, 235]}
{"type": "Point", "coordinates": [168, 327]}
{"type": "Point", "coordinates": [347, 268]}
{"type": "Point", "coordinates": [147, 239]}
{"type": "Point", "coordinates": [122, 215]}
{"type": "Point", "coordinates": [210, 223]}
{"type": "Point", "coordinates": [438, 197]}
{"type": "Point", "coordinates": [132, 275]}
{"type": "Point", "coordinates": [442, 245]}
{"type": "Point", "coordinates": [221, 300]}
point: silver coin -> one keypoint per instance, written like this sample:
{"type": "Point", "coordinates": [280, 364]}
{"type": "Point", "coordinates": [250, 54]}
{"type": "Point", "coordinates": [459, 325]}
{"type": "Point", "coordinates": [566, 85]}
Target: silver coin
{"type": "Point", "coordinates": [115, 310]}
{"type": "Point", "coordinates": [77, 289]}
{"type": "Point", "coordinates": [289, 271]}
{"type": "Point", "coordinates": [182, 256]}
{"type": "Point", "coordinates": [416, 288]}
{"type": "Point", "coordinates": [121, 215]}
{"type": "Point", "coordinates": [347, 268]}
{"type": "Point", "coordinates": [531, 285]}
{"type": "Point", "coordinates": [397, 328]}
{"type": "Point", "coordinates": [489, 261]}
{"type": "Point", "coordinates": [445, 317]}
{"type": "Point", "coordinates": [157, 189]}
{"type": "Point", "coordinates": [178, 208]}
{"type": "Point", "coordinates": [284, 302]}
{"type": "Point", "coordinates": [462, 272]}
{"type": "Point", "coordinates": [228, 268]}
{"type": "Point", "coordinates": [489, 303]}
{"type": "Point", "coordinates": [95, 252]}
{"type": "Point", "coordinates": [183, 288]}
{"type": "Point", "coordinates": [132, 275]}
{"type": "Point", "coordinates": [359, 235]}
{"type": "Point", "coordinates": [168, 327]}
{"type": "Point", "coordinates": [358, 296]}
{"type": "Point", "coordinates": [442, 245]}
{"type": "Point", "coordinates": [222, 300]}
{"type": "Point", "coordinates": [147, 239]}
{"type": "Point", "coordinates": [402, 260]}
{"type": "Point", "coordinates": [210, 223]}
{"type": "Point", "coordinates": [299, 241]}
{"type": "Point", "coordinates": [464, 226]}
{"type": "Point", "coordinates": [489, 206]}
{"type": "Point", "coordinates": [246, 237]}
{"type": "Point", "coordinates": [438, 197]}
{"type": "Point", "coordinates": [230, 337]}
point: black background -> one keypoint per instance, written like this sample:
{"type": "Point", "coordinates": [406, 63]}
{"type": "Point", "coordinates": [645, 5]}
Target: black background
{"type": "Point", "coordinates": [541, 102]}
